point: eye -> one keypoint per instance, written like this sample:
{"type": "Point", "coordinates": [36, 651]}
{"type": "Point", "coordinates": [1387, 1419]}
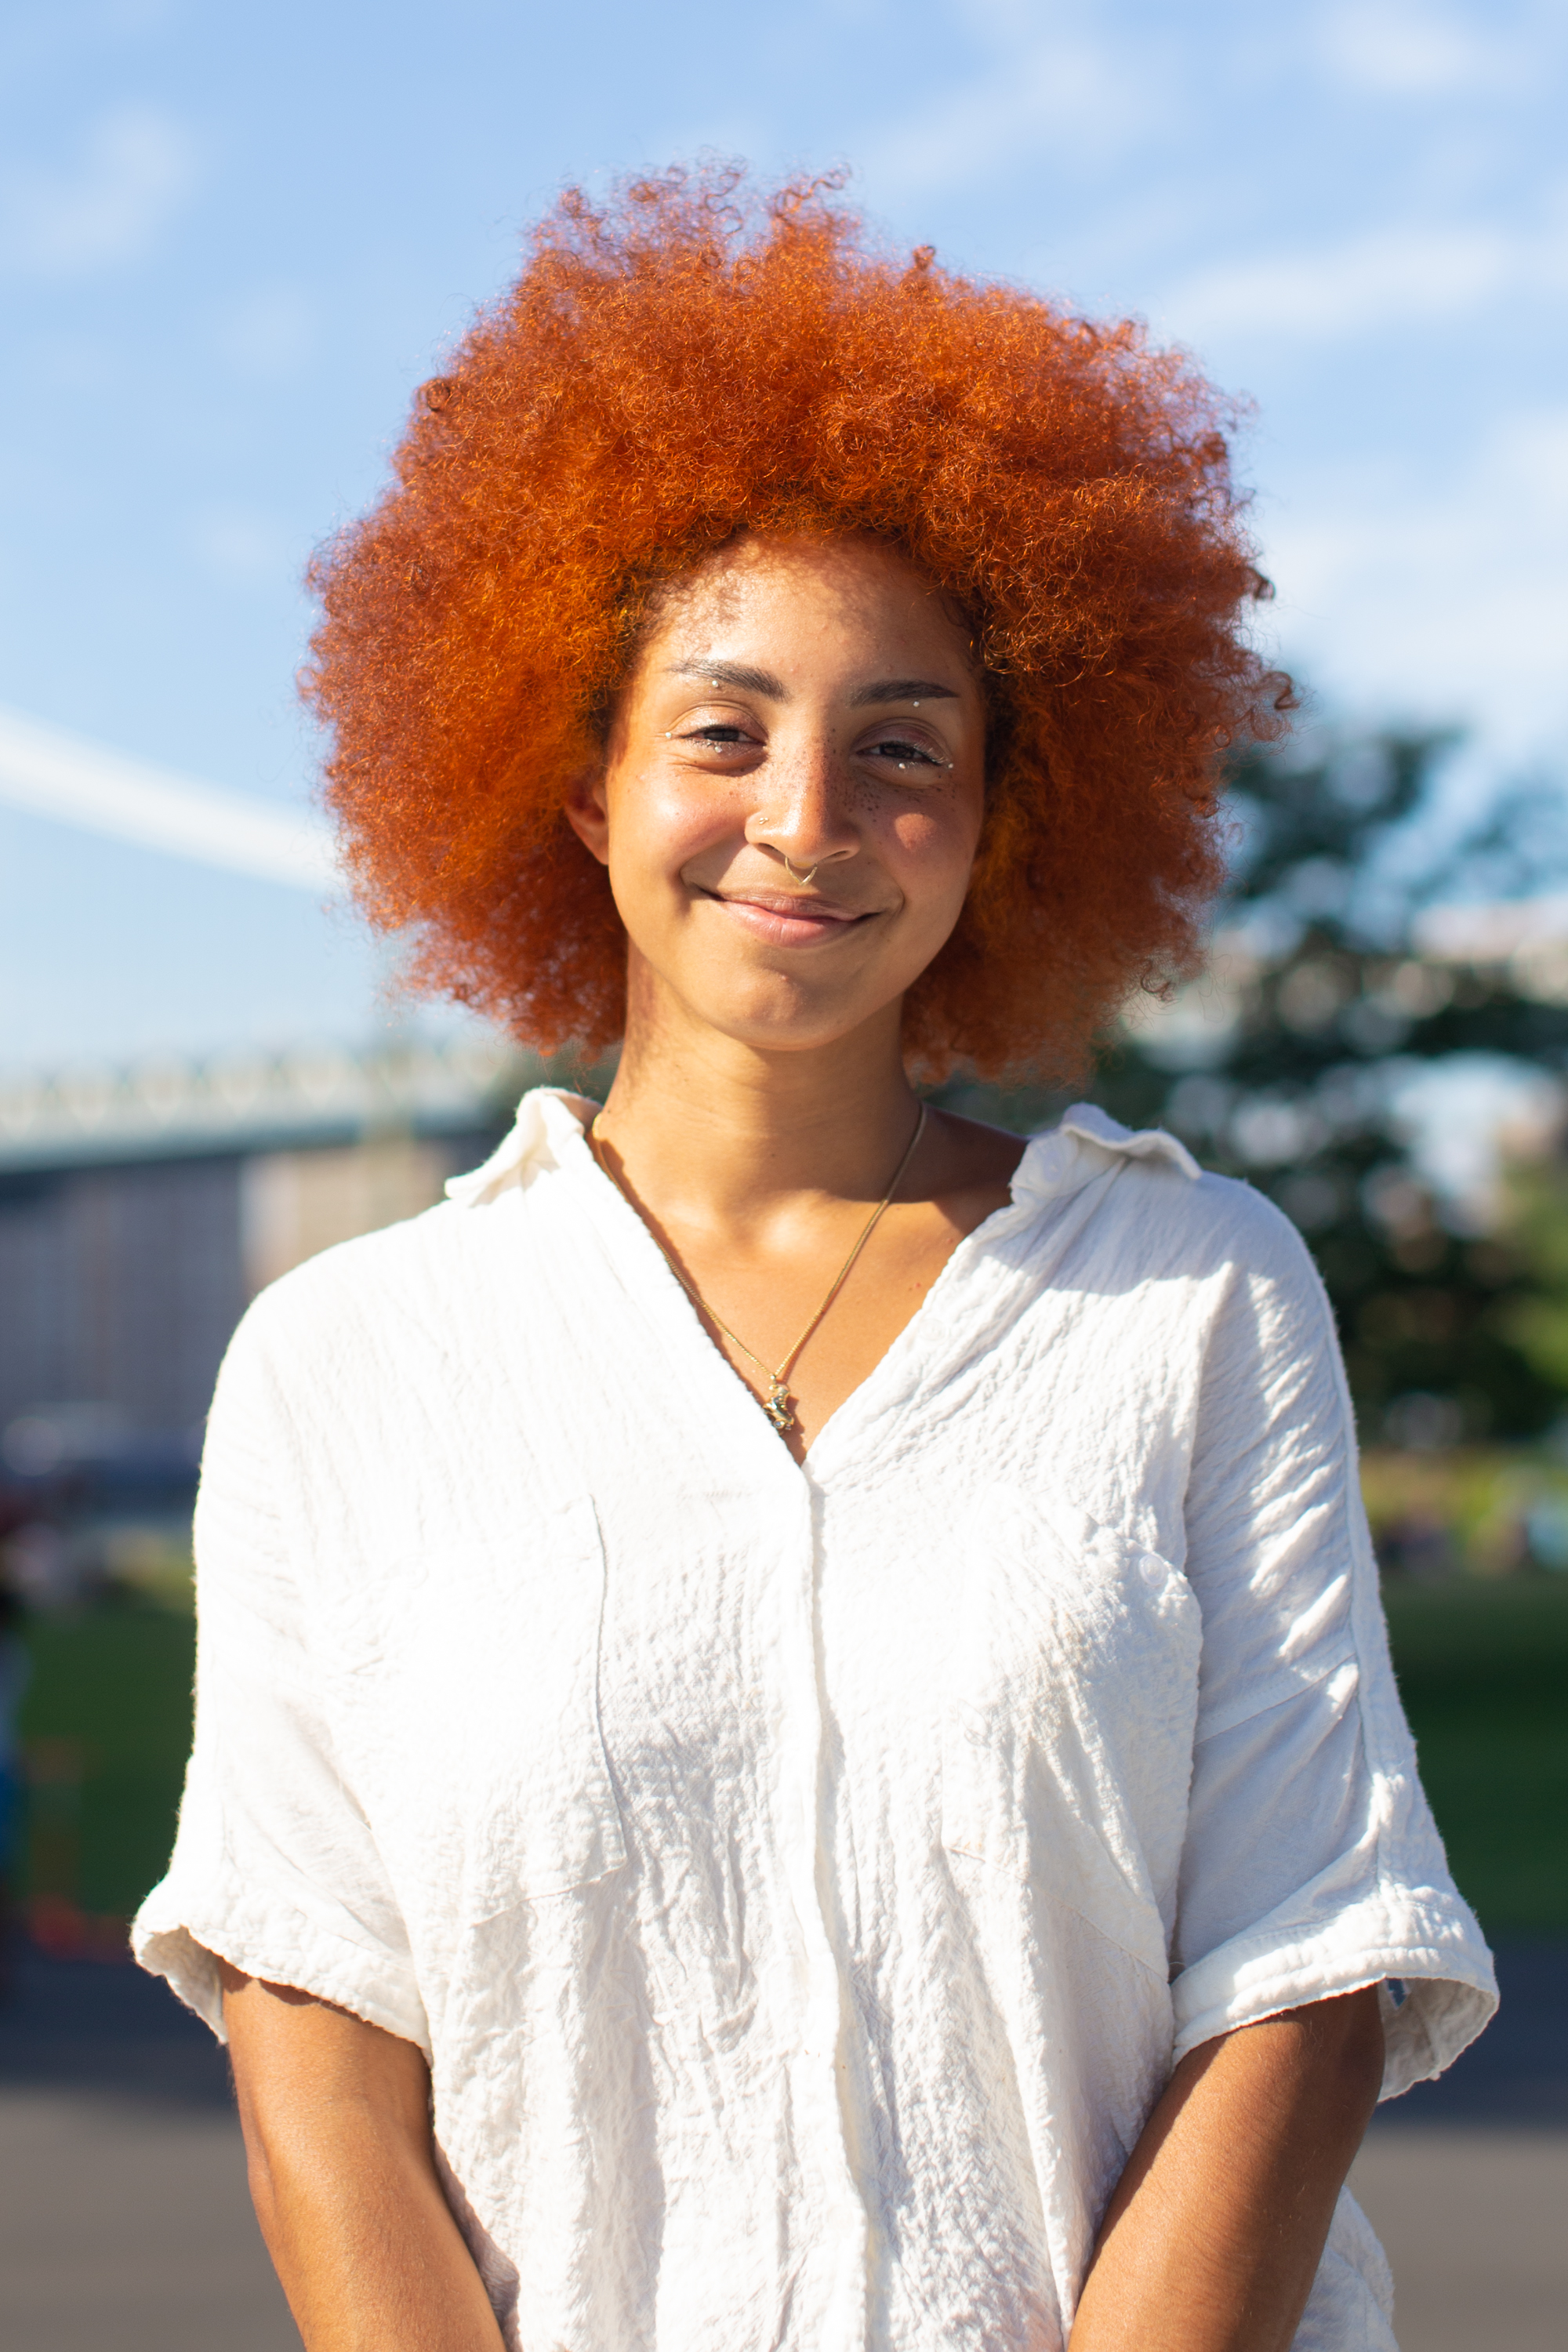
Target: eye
{"type": "Point", "coordinates": [905, 752]}
{"type": "Point", "coordinates": [724, 734]}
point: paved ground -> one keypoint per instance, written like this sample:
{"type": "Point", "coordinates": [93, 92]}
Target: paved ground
{"type": "Point", "coordinates": [125, 2226]}
{"type": "Point", "coordinates": [125, 2221]}
{"type": "Point", "coordinates": [1475, 2224]}
{"type": "Point", "coordinates": [1466, 2179]}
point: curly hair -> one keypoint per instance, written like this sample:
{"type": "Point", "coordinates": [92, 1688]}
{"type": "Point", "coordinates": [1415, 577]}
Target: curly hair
{"type": "Point", "coordinates": [683, 364]}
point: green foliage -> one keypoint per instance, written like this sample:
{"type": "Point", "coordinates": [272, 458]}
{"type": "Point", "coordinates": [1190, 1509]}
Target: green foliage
{"type": "Point", "coordinates": [1285, 1065]}
{"type": "Point", "coordinates": [1536, 1321]}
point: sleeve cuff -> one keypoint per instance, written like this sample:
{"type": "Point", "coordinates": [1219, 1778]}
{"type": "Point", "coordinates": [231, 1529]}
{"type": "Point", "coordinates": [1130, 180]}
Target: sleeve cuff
{"type": "Point", "coordinates": [1450, 1990]}
{"type": "Point", "coordinates": [183, 1943]}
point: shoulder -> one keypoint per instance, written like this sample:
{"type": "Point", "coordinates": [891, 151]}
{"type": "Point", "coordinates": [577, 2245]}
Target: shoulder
{"type": "Point", "coordinates": [439, 1268]}
{"type": "Point", "coordinates": [1160, 1205]}
{"type": "Point", "coordinates": [377, 1266]}
{"type": "Point", "coordinates": [411, 1285]}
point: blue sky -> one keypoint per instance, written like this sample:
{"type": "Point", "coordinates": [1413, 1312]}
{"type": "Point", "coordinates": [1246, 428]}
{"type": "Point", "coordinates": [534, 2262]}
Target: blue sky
{"type": "Point", "coordinates": [232, 240]}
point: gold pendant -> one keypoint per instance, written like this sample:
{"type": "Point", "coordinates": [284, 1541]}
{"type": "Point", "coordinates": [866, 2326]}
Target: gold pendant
{"type": "Point", "coordinates": [779, 1406]}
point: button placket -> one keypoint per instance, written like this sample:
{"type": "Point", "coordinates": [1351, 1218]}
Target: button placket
{"type": "Point", "coordinates": [788, 1628]}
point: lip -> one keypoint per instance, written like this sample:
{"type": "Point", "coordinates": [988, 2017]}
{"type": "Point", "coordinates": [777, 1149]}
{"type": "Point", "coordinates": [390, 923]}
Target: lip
{"type": "Point", "coordinates": [788, 920]}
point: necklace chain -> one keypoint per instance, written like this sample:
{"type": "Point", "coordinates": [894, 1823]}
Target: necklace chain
{"type": "Point", "coordinates": [778, 1404]}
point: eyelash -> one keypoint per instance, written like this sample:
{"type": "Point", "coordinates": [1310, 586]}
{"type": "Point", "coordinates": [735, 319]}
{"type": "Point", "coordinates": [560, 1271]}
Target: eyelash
{"type": "Point", "coordinates": [903, 752]}
{"type": "Point", "coordinates": [721, 737]}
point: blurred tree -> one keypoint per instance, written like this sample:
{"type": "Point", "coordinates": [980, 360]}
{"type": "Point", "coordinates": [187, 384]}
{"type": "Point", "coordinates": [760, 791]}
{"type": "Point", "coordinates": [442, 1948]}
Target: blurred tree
{"type": "Point", "coordinates": [1536, 1226]}
{"type": "Point", "coordinates": [1289, 1063]}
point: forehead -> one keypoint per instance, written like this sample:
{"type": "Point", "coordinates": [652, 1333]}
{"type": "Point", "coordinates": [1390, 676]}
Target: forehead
{"type": "Point", "coordinates": [858, 589]}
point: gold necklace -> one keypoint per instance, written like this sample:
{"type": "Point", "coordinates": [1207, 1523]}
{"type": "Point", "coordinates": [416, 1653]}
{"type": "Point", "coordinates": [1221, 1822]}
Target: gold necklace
{"type": "Point", "coordinates": [778, 1404]}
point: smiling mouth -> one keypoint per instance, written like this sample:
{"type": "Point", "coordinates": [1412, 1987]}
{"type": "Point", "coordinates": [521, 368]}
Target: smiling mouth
{"type": "Point", "coordinates": [789, 919]}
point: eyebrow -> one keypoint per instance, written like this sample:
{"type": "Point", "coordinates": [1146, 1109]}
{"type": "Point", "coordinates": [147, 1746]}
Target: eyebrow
{"type": "Point", "coordinates": [748, 680]}
{"type": "Point", "coordinates": [903, 689]}
{"type": "Point", "coordinates": [737, 673]}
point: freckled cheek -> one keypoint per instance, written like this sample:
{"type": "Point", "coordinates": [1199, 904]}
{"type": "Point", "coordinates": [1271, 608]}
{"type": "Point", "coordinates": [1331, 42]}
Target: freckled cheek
{"type": "Point", "coordinates": [935, 839]}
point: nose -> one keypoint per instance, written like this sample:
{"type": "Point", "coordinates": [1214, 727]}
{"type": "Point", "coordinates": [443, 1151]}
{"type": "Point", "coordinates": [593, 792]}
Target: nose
{"type": "Point", "coordinates": [803, 811]}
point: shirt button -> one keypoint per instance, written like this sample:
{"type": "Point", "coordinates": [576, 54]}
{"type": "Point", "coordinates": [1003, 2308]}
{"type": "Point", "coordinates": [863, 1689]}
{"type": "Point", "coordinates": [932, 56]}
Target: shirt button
{"type": "Point", "coordinates": [1152, 1568]}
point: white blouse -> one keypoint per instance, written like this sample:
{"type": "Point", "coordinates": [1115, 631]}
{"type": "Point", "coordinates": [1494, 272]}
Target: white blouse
{"type": "Point", "coordinates": [801, 1879]}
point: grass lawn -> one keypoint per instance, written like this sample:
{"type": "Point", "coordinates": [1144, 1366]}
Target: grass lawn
{"type": "Point", "coordinates": [106, 1724]}
{"type": "Point", "coordinates": [1483, 1670]}
{"type": "Point", "coordinates": [1483, 1667]}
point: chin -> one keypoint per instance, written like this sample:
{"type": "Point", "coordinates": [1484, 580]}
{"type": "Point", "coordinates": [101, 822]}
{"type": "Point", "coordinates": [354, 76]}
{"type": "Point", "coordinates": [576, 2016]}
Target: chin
{"type": "Point", "coordinates": [758, 1019]}
{"type": "Point", "coordinates": [756, 1005]}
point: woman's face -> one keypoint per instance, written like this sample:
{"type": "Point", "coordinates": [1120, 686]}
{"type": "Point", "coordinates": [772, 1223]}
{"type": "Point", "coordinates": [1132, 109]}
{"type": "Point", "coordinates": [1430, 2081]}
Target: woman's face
{"type": "Point", "coordinates": [796, 705]}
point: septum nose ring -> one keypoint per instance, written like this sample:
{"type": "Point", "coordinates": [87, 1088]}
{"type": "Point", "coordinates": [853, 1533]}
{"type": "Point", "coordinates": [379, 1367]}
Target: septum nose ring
{"type": "Point", "coordinates": [802, 878]}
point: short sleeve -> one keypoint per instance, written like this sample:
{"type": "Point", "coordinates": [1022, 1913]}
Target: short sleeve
{"type": "Point", "coordinates": [1311, 1863]}
{"type": "Point", "coordinates": [275, 1867]}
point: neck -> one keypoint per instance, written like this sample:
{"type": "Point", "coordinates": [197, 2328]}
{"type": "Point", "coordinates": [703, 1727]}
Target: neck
{"type": "Point", "coordinates": [728, 1129]}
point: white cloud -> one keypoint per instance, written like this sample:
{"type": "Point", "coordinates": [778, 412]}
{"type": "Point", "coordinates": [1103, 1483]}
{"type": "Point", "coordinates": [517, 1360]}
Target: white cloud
{"type": "Point", "coordinates": [134, 169]}
{"type": "Point", "coordinates": [1401, 50]}
{"type": "Point", "coordinates": [1386, 278]}
{"type": "Point", "coordinates": [1448, 596]}
{"type": "Point", "coordinates": [52, 774]}
{"type": "Point", "coordinates": [1081, 98]}
{"type": "Point", "coordinates": [135, 19]}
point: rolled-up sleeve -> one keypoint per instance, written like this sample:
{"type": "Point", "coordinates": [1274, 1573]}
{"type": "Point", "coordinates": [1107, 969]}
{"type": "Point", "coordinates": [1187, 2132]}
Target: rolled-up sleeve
{"type": "Point", "coordinates": [1311, 1864]}
{"type": "Point", "coordinates": [275, 1867]}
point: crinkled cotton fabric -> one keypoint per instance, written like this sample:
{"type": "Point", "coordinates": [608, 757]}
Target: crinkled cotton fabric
{"type": "Point", "coordinates": [803, 1878]}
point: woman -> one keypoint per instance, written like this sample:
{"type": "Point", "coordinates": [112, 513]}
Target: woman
{"type": "Point", "coordinates": [794, 1747]}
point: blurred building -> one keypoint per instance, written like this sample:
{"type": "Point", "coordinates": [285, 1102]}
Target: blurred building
{"type": "Point", "coordinates": [142, 1209]}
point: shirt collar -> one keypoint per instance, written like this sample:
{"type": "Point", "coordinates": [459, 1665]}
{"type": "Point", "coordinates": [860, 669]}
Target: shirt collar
{"type": "Point", "coordinates": [551, 1121]}
{"type": "Point", "coordinates": [1083, 1145]}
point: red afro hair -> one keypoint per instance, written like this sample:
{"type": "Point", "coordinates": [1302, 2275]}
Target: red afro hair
{"type": "Point", "coordinates": [680, 366]}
